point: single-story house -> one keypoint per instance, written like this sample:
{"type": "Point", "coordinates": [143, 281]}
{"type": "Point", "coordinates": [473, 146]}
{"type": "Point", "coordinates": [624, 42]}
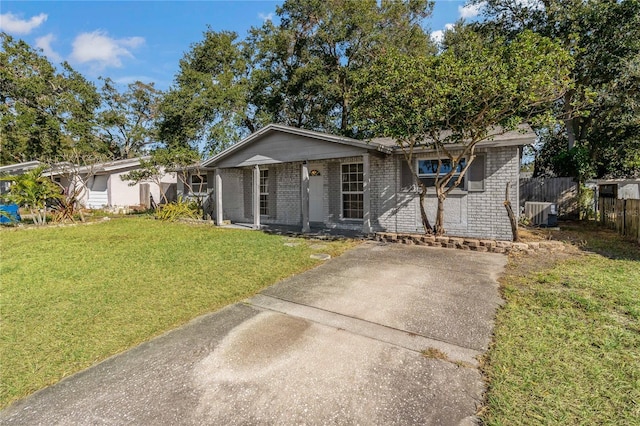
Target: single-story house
{"type": "Point", "coordinates": [101, 185]}
{"type": "Point", "coordinates": [288, 176]}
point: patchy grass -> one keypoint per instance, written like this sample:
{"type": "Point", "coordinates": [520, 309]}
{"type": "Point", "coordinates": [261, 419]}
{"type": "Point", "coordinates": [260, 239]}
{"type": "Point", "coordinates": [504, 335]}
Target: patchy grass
{"type": "Point", "coordinates": [434, 353]}
{"type": "Point", "coordinates": [73, 296]}
{"type": "Point", "coordinates": [567, 341]}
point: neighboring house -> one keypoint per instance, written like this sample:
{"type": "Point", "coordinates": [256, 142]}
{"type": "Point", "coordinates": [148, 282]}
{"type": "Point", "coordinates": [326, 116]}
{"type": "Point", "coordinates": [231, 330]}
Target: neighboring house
{"type": "Point", "coordinates": [106, 189]}
{"type": "Point", "coordinates": [100, 185]}
{"type": "Point", "coordinates": [288, 176]}
{"type": "Point", "coordinates": [15, 169]}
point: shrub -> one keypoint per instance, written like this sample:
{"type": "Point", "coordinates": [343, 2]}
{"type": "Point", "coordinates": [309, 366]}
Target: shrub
{"type": "Point", "coordinates": [181, 209]}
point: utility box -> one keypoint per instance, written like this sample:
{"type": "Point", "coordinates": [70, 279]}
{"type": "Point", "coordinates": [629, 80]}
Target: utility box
{"type": "Point", "coordinates": [541, 213]}
{"type": "Point", "coordinates": [12, 213]}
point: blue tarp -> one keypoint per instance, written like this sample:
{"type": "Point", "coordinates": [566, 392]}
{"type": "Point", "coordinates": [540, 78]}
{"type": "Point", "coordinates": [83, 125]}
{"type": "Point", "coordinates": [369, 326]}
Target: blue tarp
{"type": "Point", "coordinates": [12, 209]}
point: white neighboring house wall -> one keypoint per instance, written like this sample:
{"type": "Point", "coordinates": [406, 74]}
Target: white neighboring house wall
{"type": "Point", "coordinates": [106, 189]}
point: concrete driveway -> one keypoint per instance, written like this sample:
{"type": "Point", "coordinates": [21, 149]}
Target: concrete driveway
{"type": "Point", "coordinates": [340, 344]}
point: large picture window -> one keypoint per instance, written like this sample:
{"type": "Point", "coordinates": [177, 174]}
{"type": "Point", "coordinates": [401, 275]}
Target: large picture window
{"type": "Point", "coordinates": [428, 170]}
{"type": "Point", "coordinates": [264, 192]}
{"type": "Point", "coordinates": [352, 191]}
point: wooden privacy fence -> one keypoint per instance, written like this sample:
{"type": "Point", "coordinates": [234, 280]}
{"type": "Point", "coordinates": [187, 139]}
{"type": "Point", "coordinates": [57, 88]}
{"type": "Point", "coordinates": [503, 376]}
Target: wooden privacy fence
{"type": "Point", "coordinates": [562, 191]}
{"type": "Point", "coordinates": [621, 215]}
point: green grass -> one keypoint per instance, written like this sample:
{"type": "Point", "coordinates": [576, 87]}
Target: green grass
{"type": "Point", "coordinates": [567, 341]}
{"type": "Point", "coordinates": [73, 296]}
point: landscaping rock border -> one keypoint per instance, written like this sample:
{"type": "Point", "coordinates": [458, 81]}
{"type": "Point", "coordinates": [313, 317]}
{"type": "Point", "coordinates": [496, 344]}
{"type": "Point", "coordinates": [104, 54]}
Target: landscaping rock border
{"type": "Point", "coordinates": [490, 246]}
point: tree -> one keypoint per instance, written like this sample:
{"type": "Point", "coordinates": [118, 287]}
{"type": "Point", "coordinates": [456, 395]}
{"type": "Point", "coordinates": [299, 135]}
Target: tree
{"type": "Point", "coordinates": [31, 190]}
{"type": "Point", "coordinates": [160, 162]}
{"type": "Point", "coordinates": [208, 103]}
{"type": "Point", "coordinates": [601, 113]}
{"type": "Point", "coordinates": [128, 119]}
{"type": "Point", "coordinates": [472, 90]}
{"type": "Point", "coordinates": [300, 72]}
{"type": "Point", "coordinates": [75, 169]}
{"type": "Point", "coordinates": [43, 111]}
{"type": "Point", "coordinates": [305, 66]}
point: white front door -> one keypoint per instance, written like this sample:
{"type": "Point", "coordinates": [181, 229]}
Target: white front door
{"type": "Point", "coordinates": [316, 194]}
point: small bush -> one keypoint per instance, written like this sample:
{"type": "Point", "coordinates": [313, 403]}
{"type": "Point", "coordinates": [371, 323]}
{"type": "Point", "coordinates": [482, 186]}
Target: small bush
{"type": "Point", "coordinates": [181, 209]}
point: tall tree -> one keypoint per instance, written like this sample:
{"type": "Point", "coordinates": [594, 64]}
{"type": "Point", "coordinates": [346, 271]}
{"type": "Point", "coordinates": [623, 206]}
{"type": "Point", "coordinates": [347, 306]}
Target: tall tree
{"type": "Point", "coordinates": [300, 72]}
{"type": "Point", "coordinates": [473, 90]}
{"type": "Point", "coordinates": [309, 61]}
{"type": "Point", "coordinates": [599, 135]}
{"type": "Point", "coordinates": [208, 103]}
{"type": "Point", "coordinates": [127, 119]}
{"type": "Point", "coordinates": [43, 111]}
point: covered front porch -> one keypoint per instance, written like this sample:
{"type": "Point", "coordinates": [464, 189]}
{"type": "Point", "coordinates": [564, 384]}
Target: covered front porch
{"type": "Point", "coordinates": [295, 178]}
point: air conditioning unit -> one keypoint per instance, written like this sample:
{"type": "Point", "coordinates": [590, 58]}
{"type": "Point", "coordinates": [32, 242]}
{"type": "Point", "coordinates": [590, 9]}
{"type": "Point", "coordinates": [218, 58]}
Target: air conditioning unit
{"type": "Point", "coordinates": [541, 213]}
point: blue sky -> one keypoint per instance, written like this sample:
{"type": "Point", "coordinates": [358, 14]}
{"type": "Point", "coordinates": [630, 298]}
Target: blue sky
{"type": "Point", "coordinates": [144, 40]}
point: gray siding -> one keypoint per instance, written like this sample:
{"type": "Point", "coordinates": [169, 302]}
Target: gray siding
{"type": "Point", "coordinates": [471, 214]}
{"type": "Point", "coordinates": [285, 148]}
{"type": "Point", "coordinates": [478, 214]}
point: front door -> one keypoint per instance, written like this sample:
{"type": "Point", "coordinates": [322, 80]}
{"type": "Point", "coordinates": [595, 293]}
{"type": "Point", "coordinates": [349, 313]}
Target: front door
{"type": "Point", "coordinates": [316, 194]}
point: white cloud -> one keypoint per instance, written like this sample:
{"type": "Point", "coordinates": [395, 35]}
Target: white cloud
{"type": "Point", "coordinates": [438, 35]}
{"type": "Point", "coordinates": [44, 43]}
{"type": "Point", "coordinates": [103, 51]}
{"type": "Point", "coordinates": [470, 10]}
{"type": "Point", "coordinates": [12, 24]}
{"type": "Point", "coordinates": [266, 17]}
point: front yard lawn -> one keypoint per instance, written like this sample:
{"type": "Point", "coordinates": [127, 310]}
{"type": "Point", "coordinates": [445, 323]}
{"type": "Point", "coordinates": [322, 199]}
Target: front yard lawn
{"type": "Point", "coordinates": [73, 296]}
{"type": "Point", "coordinates": [567, 341]}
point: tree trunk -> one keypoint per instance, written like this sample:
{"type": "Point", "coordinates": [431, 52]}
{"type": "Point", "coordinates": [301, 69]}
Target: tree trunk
{"type": "Point", "coordinates": [423, 214]}
{"type": "Point", "coordinates": [439, 227]}
{"type": "Point", "coordinates": [569, 121]}
{"type": "Point", "coordinates": [512, 216]}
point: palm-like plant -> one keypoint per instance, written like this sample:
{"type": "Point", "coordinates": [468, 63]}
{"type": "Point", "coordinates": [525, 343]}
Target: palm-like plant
{"type": "Point", "coordinates": [31, 190]}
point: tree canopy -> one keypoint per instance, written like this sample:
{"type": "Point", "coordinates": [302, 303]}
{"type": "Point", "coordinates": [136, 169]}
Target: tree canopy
{"type": "Point", "coordinates": [127, 119]}
{"type": "Point", "coordinates": [474, 88]}
{"type": "Point", "coordinates": [599, 135]}
{"type": "Point", "coordinates": [300, 72]}
{"type": "Point", "coordinates": [43, 111]}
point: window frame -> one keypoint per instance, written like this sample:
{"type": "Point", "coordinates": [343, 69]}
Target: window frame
{"type": "Point", "coordinates": [264, 192]}
{"type": "Point", "coordinates": [197, 188]}
{"type": "Point", "coordinates": [479, 161]}
{"type": "Point", "coordinates": [359, 193]}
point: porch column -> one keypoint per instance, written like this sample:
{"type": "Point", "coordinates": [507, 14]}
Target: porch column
{"type": "Point", "coordinates": [256, 197]}
{"type": "Point", "coordinates": [218, 194]}
{"type": "Point", "coordinates": [366, 195]}
{"type": "Point", "coordinates": [304, 196]}
{"type": "Point", "coordinates": [180, 184]}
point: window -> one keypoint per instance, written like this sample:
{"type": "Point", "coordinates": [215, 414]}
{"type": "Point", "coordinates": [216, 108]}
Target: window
{"type": "Point", "coordinates": [352, 191]}
{"type": "Point", "coordinates": [428, 170]}
{"type": "Point", "coordinates": [264, 192]}
{"type": "Point", "coordinates": [198, 183]}
{"type": "Point", "coordinates": [473, 179]}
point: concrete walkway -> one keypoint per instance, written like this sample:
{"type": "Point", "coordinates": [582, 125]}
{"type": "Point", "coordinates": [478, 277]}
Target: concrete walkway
{"type": "Point", "coordinates": [340, 344]}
